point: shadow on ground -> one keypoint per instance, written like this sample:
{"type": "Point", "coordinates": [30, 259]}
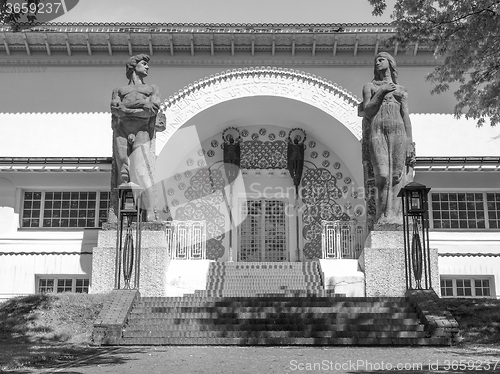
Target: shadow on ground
{"type": "Point", "coordinates": [31, 337]}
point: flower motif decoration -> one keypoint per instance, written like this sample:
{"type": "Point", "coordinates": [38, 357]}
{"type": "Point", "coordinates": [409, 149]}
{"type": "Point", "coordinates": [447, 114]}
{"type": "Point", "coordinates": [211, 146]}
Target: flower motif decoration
{"type": "Point", "coordinates": [282, 134]}
{"type": "Point", "coordinates": [263, 131]}
{"type": "Point", "coordinates": [255, 136]}
{"type": "Point", "coordinates": [337, 165]}
{"type": "Point", "coordinates": [271, 136]}
{"type": "Point", "coordinates": [314, 154]}
{"type": "Point", "coordinates": [244, 133]}
{"type": "Point", "coordinates": [214, 143]}
{"type": "Point", "coordinates": [312, 144]}
{"type": "Point", "coordinates": [326, 154]}
{"type": "Point", "coordinates": [347, 180]}
{"type": "Point", "coordinates": [325, 163]}
{"type": "Point", "coordinates": [319, 194]}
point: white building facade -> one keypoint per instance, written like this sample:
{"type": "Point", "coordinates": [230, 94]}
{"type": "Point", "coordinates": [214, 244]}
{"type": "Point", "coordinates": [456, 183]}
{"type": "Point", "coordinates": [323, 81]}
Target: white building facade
{"type": "Point", "coordinates": [263, 80]}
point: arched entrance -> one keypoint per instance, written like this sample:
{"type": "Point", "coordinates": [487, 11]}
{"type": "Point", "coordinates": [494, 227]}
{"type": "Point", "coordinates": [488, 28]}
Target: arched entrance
{"type": "Point", "coordinates": [265, 104]}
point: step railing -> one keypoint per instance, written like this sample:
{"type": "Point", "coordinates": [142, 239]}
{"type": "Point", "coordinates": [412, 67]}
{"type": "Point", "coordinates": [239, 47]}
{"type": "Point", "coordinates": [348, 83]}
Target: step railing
{"type": "Point", "coordinates": [186, 240]}
{"type": "Point", "coordinates": [342, 239]}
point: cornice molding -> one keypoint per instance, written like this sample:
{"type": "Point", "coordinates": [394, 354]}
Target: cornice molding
{"type": "Point", "coordinates": [22, 63]}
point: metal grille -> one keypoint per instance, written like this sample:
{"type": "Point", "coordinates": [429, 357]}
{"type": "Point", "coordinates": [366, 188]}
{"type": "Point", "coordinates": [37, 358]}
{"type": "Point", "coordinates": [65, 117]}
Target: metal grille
{"type": "Point", "coordinates": [263, 233]}
{"type": "Point", "coordinates": [187, 240]}
{"type": "Point", "coordinates": [342, 239]}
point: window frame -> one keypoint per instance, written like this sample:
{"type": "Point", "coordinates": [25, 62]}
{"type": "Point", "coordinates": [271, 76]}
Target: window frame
{"type": "Point", "coordinates": [43, 201]}
{"type": "Point", "coordinates": [55, 278]}
{"type": "Point", "coordinates": [486, 211]}
{"type": "Point", "coordinates": [472, 279]}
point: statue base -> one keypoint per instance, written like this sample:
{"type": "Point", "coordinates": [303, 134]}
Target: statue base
{"type": "Point", "coordinates": [154, 262]}
{"type": "Point", "coordinates": [383, 262]}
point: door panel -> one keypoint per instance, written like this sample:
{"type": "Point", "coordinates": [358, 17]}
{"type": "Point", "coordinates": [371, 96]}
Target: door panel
{"type": "Point", "coordinates": [263, 234]}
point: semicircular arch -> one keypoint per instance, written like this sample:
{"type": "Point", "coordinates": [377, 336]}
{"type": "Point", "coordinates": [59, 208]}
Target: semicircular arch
{"type": "Point", "coordinates": [260, 81]}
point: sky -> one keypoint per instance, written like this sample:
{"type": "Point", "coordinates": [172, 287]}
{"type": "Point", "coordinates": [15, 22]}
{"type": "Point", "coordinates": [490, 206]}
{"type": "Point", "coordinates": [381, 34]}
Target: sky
{"type": "Point", "coordinates": [225, 11]}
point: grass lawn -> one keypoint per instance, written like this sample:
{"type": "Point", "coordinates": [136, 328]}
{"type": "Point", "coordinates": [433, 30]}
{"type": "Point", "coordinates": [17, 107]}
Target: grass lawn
{"type": "Point", "coordinates": [43, 330]}
{"type": "Point", "coordinates": [478, 319]}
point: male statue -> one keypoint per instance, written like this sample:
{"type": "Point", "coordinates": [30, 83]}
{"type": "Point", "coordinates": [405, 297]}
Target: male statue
{"type": "Point", "coordinates": [134, 109]}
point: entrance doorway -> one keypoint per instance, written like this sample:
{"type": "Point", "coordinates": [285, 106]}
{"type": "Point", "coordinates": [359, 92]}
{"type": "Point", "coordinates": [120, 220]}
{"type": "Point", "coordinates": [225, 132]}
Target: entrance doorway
{"type": "Point", "coordinates": [263, 234]}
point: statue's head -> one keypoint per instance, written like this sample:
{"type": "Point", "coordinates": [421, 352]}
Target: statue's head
{"type": "Point", "coordinates": [229, 139]}
{"type": "Point", "coordinates": [297, 139]}
{"type": "Point", "coordinates": [392, 67]}
{"type": "Point", "coordinates": [132, 63]}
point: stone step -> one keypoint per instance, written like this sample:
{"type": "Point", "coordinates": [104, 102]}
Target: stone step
{"type": "Point", "coordinates": [279, 320]}
{"type": "Point", "coordinates": [283, 341]}
{"type": "Point", "coordinates": [272, 334]}
{"type": "Point", "coordinates": [270, 309]}
{"type": "Point", "coordinates": [346, 301]}
{"type": "Point", "coordinates": [148, 325]}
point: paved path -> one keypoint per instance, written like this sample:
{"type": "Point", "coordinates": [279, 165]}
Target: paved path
{"type": "Point", "coordinates": [269, 360]}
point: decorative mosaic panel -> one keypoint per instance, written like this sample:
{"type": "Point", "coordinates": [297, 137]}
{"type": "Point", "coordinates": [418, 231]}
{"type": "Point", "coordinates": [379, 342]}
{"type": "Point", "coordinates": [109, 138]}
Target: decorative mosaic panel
{"type": "Point", "coordinates": [205, 197]}
{"type": "Point", "coordinates": [257, 154]}
{"type": "Point", "coordinates": [319, 195]}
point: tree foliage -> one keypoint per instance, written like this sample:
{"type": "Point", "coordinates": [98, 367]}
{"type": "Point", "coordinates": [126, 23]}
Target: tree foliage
{"type": "Point", "coordinates": [466, 35]}
{"type": "Point", "coordinates": [23, 12]}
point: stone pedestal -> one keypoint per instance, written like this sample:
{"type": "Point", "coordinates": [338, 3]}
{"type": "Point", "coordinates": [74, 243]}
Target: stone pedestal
{"type": "Point", "coordinates": [153, 263]}
{"type": "Point", "coordinates": [383, 262]}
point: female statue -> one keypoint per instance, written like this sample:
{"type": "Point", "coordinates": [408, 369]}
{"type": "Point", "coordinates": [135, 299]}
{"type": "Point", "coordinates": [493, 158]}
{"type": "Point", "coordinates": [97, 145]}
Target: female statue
{"type": "Point", "coordinates": [387, 138]}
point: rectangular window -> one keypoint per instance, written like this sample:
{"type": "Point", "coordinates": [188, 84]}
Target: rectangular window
{"type": "Point", "coordinates": [465, 210]}
{"type": "Point", "coordinates": [482, 287]}
{"type": "Point", "coordinates": [82, 286]}
{"type": "Point", "coordinates": [464, 287]}
{"type": "Point", "coordinates": [467, 286]}
{"type": "Point", "coordinates": [446, 287]}
{"type": "Point", "coordinates": [45, 285]}
{"type": "Point", "coordinates": [493, 203]}
{"type": "Point", "coordinates": [50, 209]}
{"type": "Point", "coordinates": [62, 283]}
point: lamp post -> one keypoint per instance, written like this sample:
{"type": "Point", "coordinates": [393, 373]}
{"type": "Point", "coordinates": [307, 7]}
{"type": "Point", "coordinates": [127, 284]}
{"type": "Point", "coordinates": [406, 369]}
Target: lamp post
{"type": "Point", "coordinates": [129, 211]}
{"type": "Point", "coordinates": [416, 236]}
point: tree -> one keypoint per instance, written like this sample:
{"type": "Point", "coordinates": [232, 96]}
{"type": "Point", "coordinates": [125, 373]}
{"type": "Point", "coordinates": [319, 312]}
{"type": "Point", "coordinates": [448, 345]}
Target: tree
{"type": "Point", "coordinates": [466, 35]}
{"type": "Point", "coordinates": [17, 13]}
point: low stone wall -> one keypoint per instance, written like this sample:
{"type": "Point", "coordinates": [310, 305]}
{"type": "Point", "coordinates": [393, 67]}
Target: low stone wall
{"type": "Point", "coordinates": [439, 323]}
{"type": "Point", "coordinates": [343, 276]}
{"type": "Point", "coordinates": [154, 262]}
{"type": "Point", "coordinates": [113, 316]}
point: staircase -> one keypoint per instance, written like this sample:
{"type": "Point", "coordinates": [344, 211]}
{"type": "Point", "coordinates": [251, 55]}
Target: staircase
{"type": "Point", "coordinates": [271, 304]}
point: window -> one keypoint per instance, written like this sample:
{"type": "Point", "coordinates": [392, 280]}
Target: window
{"type": "Point", "coordinates": [493, 203]}
{"type": "Point", "coordinates": [446, 287]}
{"type": "Point", "coordinates": [465, 210]}
{"type": "Point", "coordinates": [65, 209]}
{"type": "Point", "coordinates": [63, 283]}
{"type": "Point", "coordinates": [467, 286]}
